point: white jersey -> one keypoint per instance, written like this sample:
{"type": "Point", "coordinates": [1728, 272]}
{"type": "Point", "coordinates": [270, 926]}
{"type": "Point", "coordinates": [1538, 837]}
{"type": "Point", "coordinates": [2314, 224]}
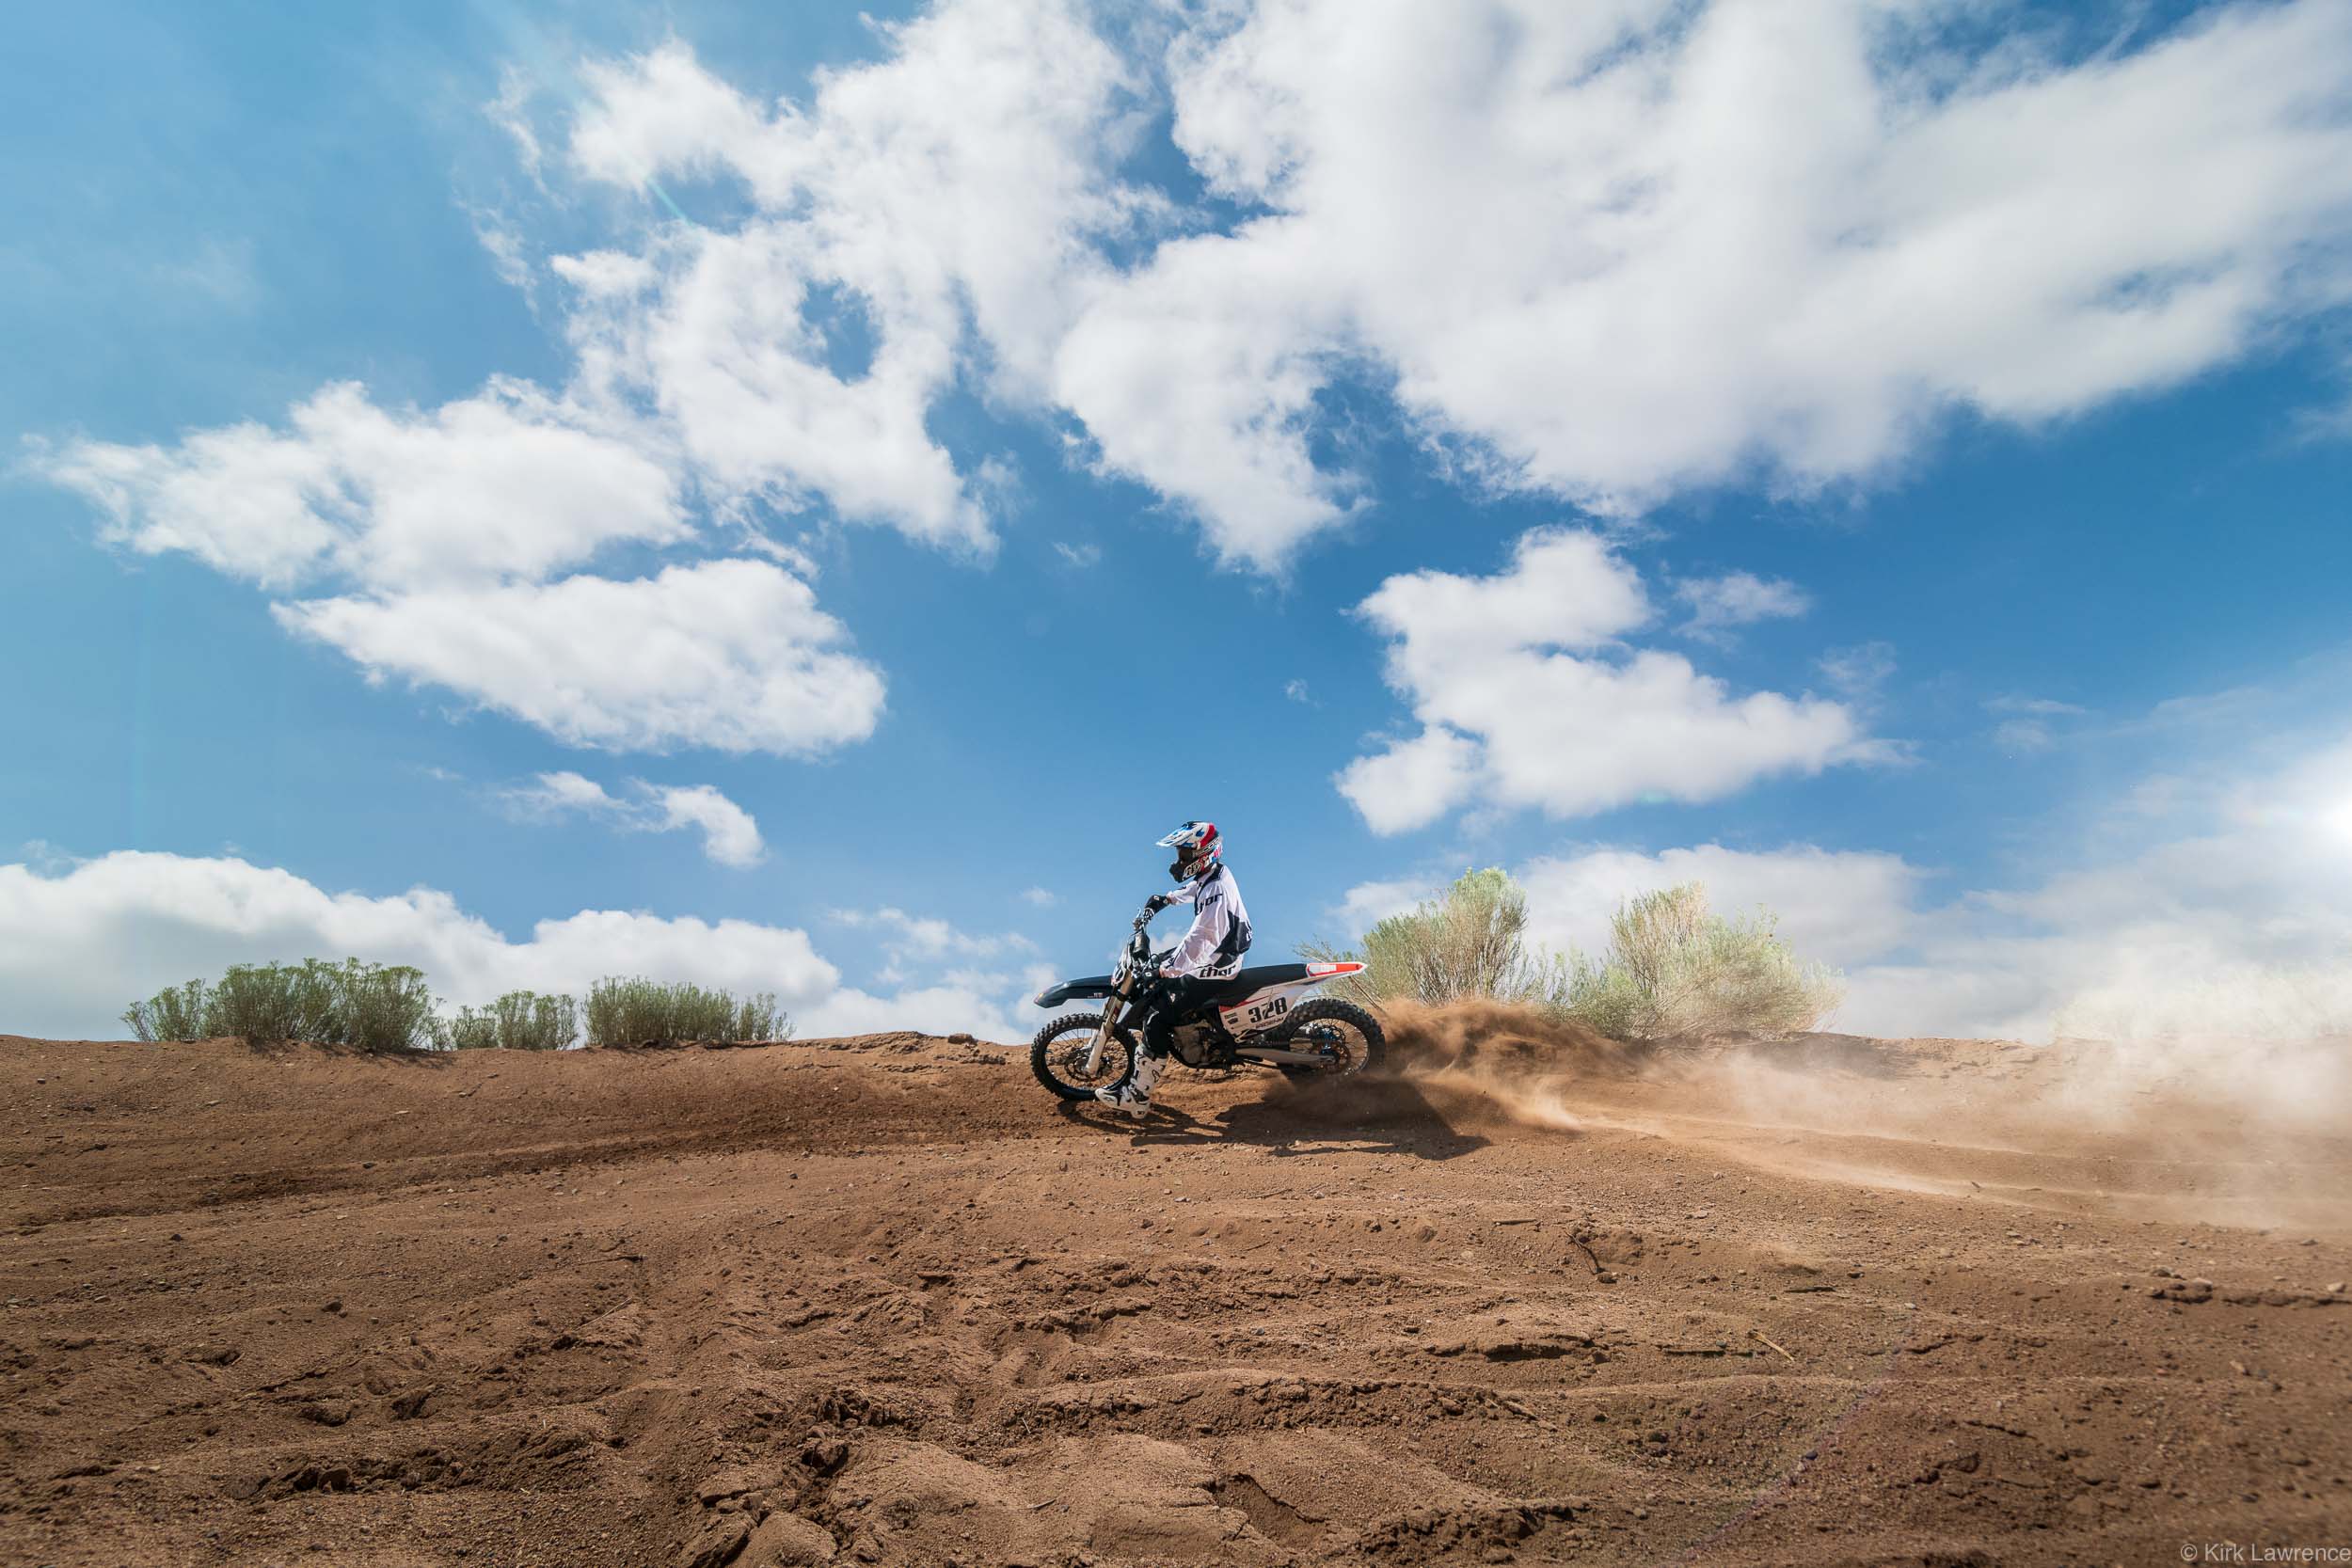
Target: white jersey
{"type": "Point", "coordinates": [1212, 950]}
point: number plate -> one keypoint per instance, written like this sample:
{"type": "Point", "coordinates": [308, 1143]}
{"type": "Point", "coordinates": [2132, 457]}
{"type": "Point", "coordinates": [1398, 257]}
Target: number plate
{"type": "Point", "coordinates": [1254, 1015]}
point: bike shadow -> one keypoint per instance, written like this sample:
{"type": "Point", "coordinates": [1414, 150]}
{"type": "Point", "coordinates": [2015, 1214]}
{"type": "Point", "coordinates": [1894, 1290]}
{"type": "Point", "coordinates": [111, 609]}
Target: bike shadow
{"type": "Point", "coordinates": [1380, 1116]}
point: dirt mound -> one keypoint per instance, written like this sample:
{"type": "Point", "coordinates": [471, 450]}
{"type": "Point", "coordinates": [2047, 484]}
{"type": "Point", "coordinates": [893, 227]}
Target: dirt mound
{"type": "Point", "coordinates": [880, 1301]}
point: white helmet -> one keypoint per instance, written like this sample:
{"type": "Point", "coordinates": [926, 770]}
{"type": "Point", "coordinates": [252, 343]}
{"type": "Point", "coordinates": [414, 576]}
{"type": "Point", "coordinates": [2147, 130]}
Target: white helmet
{"type": "Point", "coordinates": [1198, 850]}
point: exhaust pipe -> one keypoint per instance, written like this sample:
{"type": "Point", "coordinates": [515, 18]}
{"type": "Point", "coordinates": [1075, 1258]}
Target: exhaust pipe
{"type": "Point", "coordinates": [1274, 1056]}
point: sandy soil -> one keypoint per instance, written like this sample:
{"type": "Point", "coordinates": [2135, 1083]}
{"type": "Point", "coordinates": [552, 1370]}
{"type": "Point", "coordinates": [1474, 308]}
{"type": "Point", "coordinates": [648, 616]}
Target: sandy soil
{"type": "Point", "coordinates": [1836, 1301]}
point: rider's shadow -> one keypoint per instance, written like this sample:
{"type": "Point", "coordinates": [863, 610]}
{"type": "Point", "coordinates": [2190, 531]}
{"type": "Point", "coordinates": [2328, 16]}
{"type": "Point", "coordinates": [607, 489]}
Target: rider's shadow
{"type": "Point", "coordinates": [1386, 1115]}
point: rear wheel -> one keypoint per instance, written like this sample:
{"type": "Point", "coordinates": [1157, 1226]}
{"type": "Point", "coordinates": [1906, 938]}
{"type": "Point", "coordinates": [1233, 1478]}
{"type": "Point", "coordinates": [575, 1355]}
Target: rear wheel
{"type": "Point", "coordinates": [1058, 1055]}
{"type": "Point", "coordinates": [1346, 1037]}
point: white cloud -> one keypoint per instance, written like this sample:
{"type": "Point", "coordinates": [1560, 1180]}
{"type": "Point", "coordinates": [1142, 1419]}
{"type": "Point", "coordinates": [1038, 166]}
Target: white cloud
{"type": "Point", "coordinates": [1840, 906]}
{"type": "Point", "coordinates": [934, 964]}
{"type": "Point", "coordinates": [448, 526]}
{"type": "Point", "coordinates": [1607, 252]}
{"type": "Point", "coordinates": [730, 833]}
{"type": "Point", "coordinates": [732, 655]}
{"type": "Point", "coordinates": [2228, 920]}
{"type": "Point", "coordinates": [1080, 556]}
{"type": "Point", "coordinates": [1042, 897]}
{"type": "Point", "coordinates": [507, 483]}
{"type": "Point", "coordinates": [1615, 251]}
{"type": "Point", "coordinates": [551, 795]}
{"type": "Point", "coordinates": [927, 937]}
{"type": "Point", "coordinates": [1196, 374]}
{"type": "Point", "coordinates": [1367, 904]}
{"type": "Point", "coordinates": [76, 946]}
{"type": "Point", "coordinates": [1296, 689]}
{"type": "Point", "coordinates": [510, 255]}
{"type": "Point", "coordinates": [1736, 599]}
{"type": "Point", "coordinates": [78, 943]}
{"type": "Point", "coordinates": [1411, 782]}
{"type": "Point", "coordinates": [1525, 701]}
{"type": "Point", "coordinates": [951, 190]}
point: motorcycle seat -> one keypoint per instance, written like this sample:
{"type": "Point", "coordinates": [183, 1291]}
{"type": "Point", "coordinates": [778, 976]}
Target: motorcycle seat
{"type": "Point", "coordinates": [1249, 981]}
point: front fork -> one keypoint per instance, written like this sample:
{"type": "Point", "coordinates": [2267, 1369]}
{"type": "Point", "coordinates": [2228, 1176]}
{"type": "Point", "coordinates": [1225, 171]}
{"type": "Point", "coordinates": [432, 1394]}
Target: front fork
{"type": "Point", "coordinates": [1112, 1007]}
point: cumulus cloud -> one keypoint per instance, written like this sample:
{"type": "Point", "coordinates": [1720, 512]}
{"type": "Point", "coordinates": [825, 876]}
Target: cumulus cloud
{"type": "Point", "coordinates": [949, 193]}
{"type": "Point", "coordinates": [1614, 251]}
{"type": "Point", "coordinates": [730, 833]}
{"type": "Point", "coordinates": [1367, 904]}
{"type": "Point", "coordinates": [732, 655]}
{"type": "Point", "coordinates": [507, 483]}
{"type": "Point", "coordinates": [1526, 697]}
{"type": "Point", "coordinates": [927, 937]}
{"type": "Point", "coordinates": [454, 531]}
{"type": "Point", "coordinates": [1607, 252]}
{"type": "Point", "coordinates": [1511, 217]}
{"type": "Point", "coordinates": [1840, 906]}
{"type": "Point", "coordinates": [78, 941]}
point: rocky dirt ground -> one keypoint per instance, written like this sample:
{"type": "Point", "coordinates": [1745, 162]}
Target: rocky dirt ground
{"type": "Point", "coordinates": [1831, 1301]}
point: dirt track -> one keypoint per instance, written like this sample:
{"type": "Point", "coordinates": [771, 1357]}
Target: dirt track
{"type": "Point", "coordinates": [883, 1299]}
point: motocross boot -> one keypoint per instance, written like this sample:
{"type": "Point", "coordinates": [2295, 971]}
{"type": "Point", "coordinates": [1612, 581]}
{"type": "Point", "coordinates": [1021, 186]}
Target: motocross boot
{"type": "Point", "coordinates": [1134, 1096]}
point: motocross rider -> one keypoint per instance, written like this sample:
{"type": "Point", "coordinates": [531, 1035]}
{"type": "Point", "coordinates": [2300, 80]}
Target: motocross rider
{"type": "Point", "coordinates": [1200, 963]}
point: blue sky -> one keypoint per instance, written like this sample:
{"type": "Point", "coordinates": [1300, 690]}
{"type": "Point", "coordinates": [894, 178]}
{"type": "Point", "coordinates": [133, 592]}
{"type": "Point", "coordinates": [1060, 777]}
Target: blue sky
{"type": "Point", "coordinates": [1893, 468]}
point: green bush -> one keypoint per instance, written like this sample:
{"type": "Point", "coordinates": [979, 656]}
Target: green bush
{"type": "Point", "coordinates": [1469, 943]}
{"type": "Point", "coordinates": [632, 1010]}
{"type": "Point", "coordinates": [370, 1007]}
{"type": "Point", "coordinates": [389, 1007]}
{"type": "Point", "coordinates": [1673, 969]}
{"type": "Point", "coordinates": [520, 1020]}
{"type": "Point", "coordinates": [173, 1013]}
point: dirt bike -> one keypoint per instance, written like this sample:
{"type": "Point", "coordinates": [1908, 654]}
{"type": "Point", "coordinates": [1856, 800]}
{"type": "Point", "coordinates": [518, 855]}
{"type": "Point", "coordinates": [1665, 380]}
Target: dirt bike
{"type": "Point", "coordinates": [1260, 1016]}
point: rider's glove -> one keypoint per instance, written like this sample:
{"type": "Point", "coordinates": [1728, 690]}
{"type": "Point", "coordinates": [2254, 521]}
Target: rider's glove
{"type": "Point", "coordinates": [1157, 902]}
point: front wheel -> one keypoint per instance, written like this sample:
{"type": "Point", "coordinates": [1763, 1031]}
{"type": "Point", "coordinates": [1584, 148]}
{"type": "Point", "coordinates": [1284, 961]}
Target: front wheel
{"type": "Point", "coordinates": [1346, 1037]}
{"type": "Point", "coordinates": [1058, 1055]}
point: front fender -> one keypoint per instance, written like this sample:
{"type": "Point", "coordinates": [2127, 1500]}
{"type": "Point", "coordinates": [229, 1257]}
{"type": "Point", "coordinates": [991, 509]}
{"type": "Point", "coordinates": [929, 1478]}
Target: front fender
{"type": "Point", "coordinates": [1068, 991]}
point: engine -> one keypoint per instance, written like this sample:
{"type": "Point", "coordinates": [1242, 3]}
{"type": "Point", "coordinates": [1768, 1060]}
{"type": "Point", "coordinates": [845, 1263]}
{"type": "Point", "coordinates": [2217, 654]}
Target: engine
{"type": "Point", "coordinates": [1197, 1044]}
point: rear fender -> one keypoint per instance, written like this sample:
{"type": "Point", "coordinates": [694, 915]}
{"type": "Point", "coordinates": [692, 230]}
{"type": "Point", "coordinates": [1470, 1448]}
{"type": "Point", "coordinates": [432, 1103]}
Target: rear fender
{"type": "Point", "coordinates": [1269, 1006]}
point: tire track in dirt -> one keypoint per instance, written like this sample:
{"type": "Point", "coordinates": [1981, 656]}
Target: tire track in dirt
{"type": "Point", "coordinates": [880, 1301]}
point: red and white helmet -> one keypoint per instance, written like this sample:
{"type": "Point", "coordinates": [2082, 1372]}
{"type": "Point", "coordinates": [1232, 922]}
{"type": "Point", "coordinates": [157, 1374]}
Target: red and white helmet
{"type": "Point", "coordinates": [1198, 850]}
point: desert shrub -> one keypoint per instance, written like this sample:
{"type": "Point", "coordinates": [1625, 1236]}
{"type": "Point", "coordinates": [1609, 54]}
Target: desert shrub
{"type": "Point", "coordinates": [758, 1018]}
{"type": "Point", "coordinates": [372, 1006]}
{"type": "Point", "coordinates": [173, 1013]}
{"type": "Point", "coordinates": [1469, 942]}
{"type": "Point", "coordinates": [389, 1007]}
{"type": "Point", "coordinates": [254, 1002]}
{"type": "Point", "coordinates": [1673, 969]}
{"type": "Point", "coordinates": [471, 1029]}
{"type": "Point", "coordinates": [629, 1010]}
{"type": "Point", "coordinates": [381, 1007]}
{"type": "Point", "coordinates": [520, 1020]}
{"type": "Point", "coordinates": [529, 1022]}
